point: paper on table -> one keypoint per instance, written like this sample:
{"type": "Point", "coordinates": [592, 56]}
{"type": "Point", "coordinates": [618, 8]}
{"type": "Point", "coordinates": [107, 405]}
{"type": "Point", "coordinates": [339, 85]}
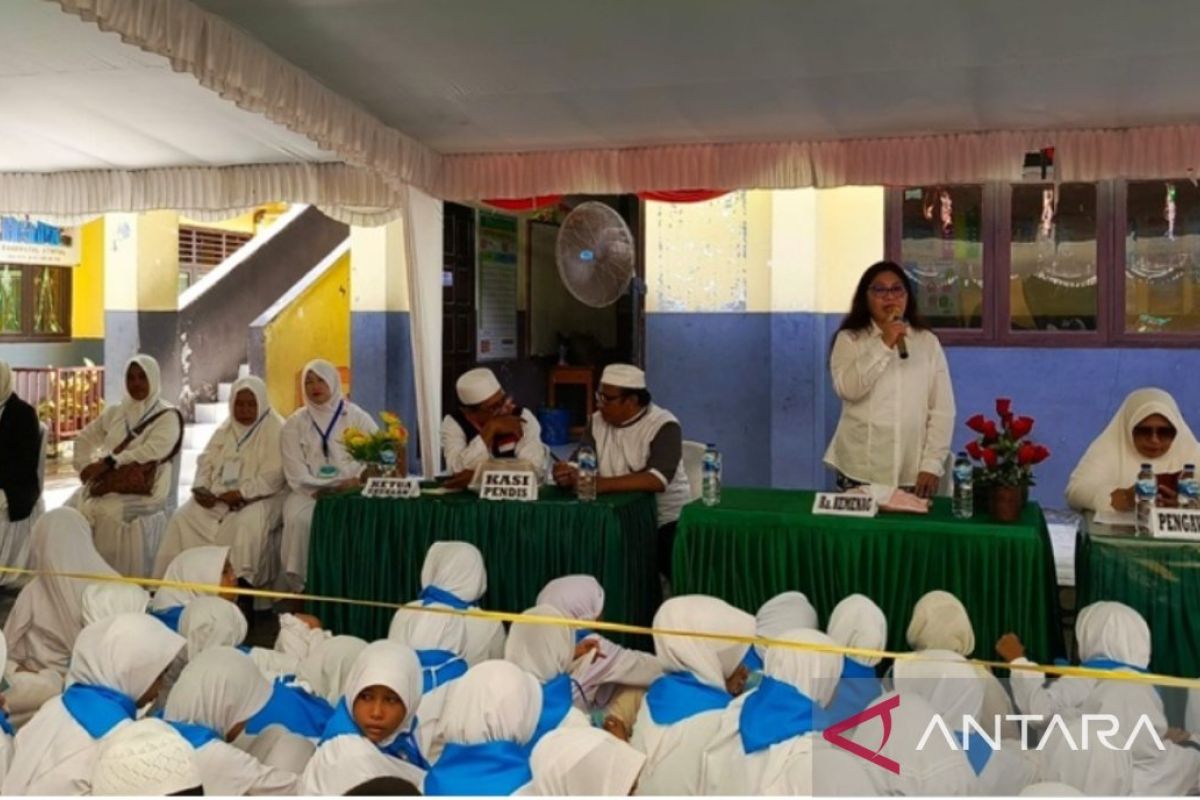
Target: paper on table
{"type": "Point", "coordinates": [1106, 517]}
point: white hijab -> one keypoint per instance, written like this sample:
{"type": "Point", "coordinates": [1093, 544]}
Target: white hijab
{"type": "Point", "coordinates": [218, 689]}
{"type": "Point", "coordinates": [104, 600]}
{"type": "Point", "coordinates": [390, 664]}
{"type": "Point", "coordinates": [578, 596]}
{"type": "Point", "coordinates": [1116, 441]}
{"type": "Point", "coordinates": [6, 382]}
{"type": "Point", "coordinates": [857, 622]}
{"type": "Point", "coordinates": [209, 622]}
{"type": "Point", "coordinates": [48, 614]}
{"type": "Point", "coordinates": [202, 565]}
{"type": "Point", "coordinates": [322, 414]}
{"type": "Point", "coordinates": [258, 388]}
{"type": "Point", "coordinates": [1113, 631]}
{"type": "Point", "coordinates": [784, 612]}
{"type": "Point", "coordinates": [127, 653]}
{"type": "Point", "coordinates": [426, 631]}
{"type": "Point", "coordinates": [326, 669]}
{"type": "Point", "coordinates": [544, 651]}
{"type": "Point", "coordinates": [583, 762]}
{"type": "Point", "coordinates": [946, 681]}
{"type": "Point", "coordinates": [134, 411]}
{"type": "Point", "coordinates": [711, 661]}
{"type": "Point", "coordinates": [456, 567]}
{"type": "Point", "coordinates": [494, 702]}
{"type": "Point", "coordinates": [940, 622]}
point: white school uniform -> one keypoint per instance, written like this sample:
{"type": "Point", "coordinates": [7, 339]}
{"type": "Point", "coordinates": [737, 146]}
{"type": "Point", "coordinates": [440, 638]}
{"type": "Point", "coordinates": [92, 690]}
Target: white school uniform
{"type": "Point", "coordinates": [583, 762]}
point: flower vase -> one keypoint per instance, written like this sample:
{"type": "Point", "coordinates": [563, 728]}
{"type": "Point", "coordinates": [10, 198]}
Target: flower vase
{"type": "Point", "coordinates": [1007, 503]}
{"type": "Point", "coordinates": [373, 470]}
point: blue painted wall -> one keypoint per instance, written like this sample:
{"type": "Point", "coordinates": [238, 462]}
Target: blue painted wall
{"type": "Point", "coordinates": [381, 366]}
{"type": "Point", "coordinates": [757, 384]}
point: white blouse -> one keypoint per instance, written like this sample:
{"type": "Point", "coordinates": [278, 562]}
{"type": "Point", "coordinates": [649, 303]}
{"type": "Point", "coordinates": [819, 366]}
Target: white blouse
{"type": "Point", "coordinates": [303, 456]}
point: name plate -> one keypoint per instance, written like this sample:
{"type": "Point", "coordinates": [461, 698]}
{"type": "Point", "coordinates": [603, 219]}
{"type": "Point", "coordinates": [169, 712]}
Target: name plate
{"type": "Point", "coordinates": [1175, 523]}
{"type": "Point", "coordinates": [517, 485]}
{"type": "Point", "coordinates": [392, 488]}
{"type": "Point", "coordinates": [845, 505]}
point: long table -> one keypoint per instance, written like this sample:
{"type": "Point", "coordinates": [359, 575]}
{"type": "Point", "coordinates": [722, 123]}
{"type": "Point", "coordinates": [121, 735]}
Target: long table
{"type": "Point", "coordinates": [373, 549]}
{"type": "Point", "coordinates": [1158, 578]}
{"type": "Point", "coordinates": [759, 542]}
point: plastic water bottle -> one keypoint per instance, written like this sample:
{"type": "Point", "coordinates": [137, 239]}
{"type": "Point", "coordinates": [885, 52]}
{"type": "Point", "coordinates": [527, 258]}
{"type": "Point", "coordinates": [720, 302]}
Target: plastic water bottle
{"type": "Point", "coordinates": [1146, 490]}
{"type": "Point", "coordinates": [964, 487]}
{"type": "Point", "coordinates": [585, 484]}
{"type": "Point", "coordinates": [711, 475]}
{"type": "Point", "coordinates": [1188, 490]}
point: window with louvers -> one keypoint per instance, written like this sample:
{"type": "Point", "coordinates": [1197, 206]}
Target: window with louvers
{"type": "Point", "coordinates": [202, 249]}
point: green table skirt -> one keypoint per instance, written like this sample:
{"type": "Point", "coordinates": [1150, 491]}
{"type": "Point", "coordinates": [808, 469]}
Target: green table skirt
{"type": "Point", "coordinates": [1159, 579]}
{"type": "Point", "coordinates": [373, 549]}
{"type": "Point", "coordinates": [760, 542]}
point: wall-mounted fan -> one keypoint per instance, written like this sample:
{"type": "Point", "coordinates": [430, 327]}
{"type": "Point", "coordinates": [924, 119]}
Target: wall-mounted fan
{"type": "Point", "coordinates": [596, 254]}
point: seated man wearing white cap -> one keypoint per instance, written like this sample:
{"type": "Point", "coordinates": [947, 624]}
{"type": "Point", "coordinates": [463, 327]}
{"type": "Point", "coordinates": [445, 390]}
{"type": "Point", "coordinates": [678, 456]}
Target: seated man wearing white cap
{"type": "Point", "coordinates": [488, 424]}
{"type": "Point", "coordinates": [639, 448]}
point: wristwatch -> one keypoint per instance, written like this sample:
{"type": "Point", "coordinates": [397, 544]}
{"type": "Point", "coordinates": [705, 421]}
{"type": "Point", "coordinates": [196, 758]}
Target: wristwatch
{"type": "Point", "coordinates": [110, 462]}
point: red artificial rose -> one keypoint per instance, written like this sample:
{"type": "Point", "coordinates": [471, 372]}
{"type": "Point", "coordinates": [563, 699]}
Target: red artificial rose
{"type": "Point", "coordinates": [1021, 426]}
{"type": "Point", "coordinates": [989, 456]}
{"type": "Point", "coordinates": [1041, 453]}
{"type": "Point", "coordinates": [1026, 453]}
{"type": "Point", "coordinates": [977, 423]}
{"type": "Point", "coordinates": [974, 450]}
{"type": "Point", "coordinates": [1003, 406]}
{"type": "Point", "coordinates": [990, 433]}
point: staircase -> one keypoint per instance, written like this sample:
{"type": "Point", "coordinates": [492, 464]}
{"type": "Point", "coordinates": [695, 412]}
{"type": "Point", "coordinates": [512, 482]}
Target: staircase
{"type": "Point", "coordinates": [209, 417]}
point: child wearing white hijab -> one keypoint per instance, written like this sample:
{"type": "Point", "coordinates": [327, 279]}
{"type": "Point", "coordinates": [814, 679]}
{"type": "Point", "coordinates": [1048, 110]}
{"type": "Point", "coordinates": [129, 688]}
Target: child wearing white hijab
{"type": "Point", "coordinates": [154, 429]}
{"type": "Point", "coordinates": [440, 642]}
{"type": "Point", "coordinates": [454, 576]}
{"type": "Point", "coordinates": [1111, 464]}
{"type": "Point", "coordinates": [315, 460]}
{"type": "Point", "coordinates": [856, 622]}
{"type": "Point", "coordinates": [116, 668]}
{"type": "Point", "coordinates": [683, 708]}
{"type": "Point", "coordinates": [147, 758]}
{"type": "Point", "coordinates": [490, 717]}
{"type": "Point", "coordinates": [218, 691]}
{"type": "Point", "coordinates": [545, 652]}
{"type": "Point", "coordinates": [48, 614]}
{"type": "Point", "coordinates": [237, 497]}
{"type": "Point", "coordinates": [370, 732]}
{"type": "Point", "coordinates": [763, 731]}
{"type": "Point", "coordinates": [206, 566]}
{"type": "Point", "coordinates": [784, 612]}
{"type": "Point", "coordinates": [104, 600]}
{"type": "Point", "coordinates": [583, 762]}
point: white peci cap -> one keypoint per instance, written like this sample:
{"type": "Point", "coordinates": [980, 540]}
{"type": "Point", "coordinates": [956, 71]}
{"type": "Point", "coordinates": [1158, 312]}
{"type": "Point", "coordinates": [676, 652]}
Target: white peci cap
{"type": "Point", "coordinates": [476, 386]}
{"type": "Point", "coordinates": [626, 376]}
{"type": "Point", "coordinates": [144, 758]}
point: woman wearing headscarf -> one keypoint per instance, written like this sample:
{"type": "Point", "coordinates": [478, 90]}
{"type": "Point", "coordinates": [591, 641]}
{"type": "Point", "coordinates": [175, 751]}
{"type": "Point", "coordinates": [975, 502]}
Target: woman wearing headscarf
{"type": "Point", "coordinates": [147, 758]}
{"type": "Point", "coordinates": [237, 497]}
{"type": "Point", "coordinates": [141, 429]}
{"type": "Point", "coordinates": [315, 461]}
{"type": "Point", "coordinates": [783, 612]}
{"type": "Point", "coordinates": [763, 731]}
{"type": "Point", "coordinates": [490, 717]}
{"type": "Point", "coordinates": [583, 762]}
{"type": "Point", "coordinates": [454, 576]}
{"type": "Point", "coordinates": [545, 652]}
{"type": "Point", "coordinates": [116, 669]}
{"type": "Point", "coordinates": [940, 622]}
{"type": "Point", "coordinates": [218, 691]}
{"type": "Point", "coordinates": [202, 566]}
{"type": "Point", "coordinates": [600, 667]}
{"type": "Point", "coordinates": [48, 614]}
{"type": "Point", "coordinates": [1148, 428]}
{"type": "Point", "coordinates": [683, 708]}
{"type": "Point", "coordinates": [20, 483]}
{"type": "Point", "coordinates": [370, 732]}
{"type": "Point", "coordinates": [954, 689]}
{"type": "Point", "coordinates": [104, 600]}
{"type": "Point", "coordinates": [856, 622]}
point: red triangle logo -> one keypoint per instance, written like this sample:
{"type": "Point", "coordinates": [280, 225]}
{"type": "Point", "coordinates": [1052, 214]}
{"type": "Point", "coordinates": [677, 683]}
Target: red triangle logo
{"type": "Point", "coordinates": [833, 734]}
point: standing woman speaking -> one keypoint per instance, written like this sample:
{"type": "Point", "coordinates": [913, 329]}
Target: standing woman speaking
{"type": "Point", "coordinates": [889, 370]}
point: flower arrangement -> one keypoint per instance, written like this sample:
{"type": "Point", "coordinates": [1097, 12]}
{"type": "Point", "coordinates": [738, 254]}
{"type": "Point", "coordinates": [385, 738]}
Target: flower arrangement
{"type": "Point", "coordinates": [1005, 455]}
{"type": "Point", "coordinates": [385, 447]}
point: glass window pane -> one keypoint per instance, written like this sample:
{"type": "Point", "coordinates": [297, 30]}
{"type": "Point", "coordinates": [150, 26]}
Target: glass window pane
{"type": "Point", "coordinates": [10, 300]}
{"type": "Point", "coordinates": [50, 301]}
{"type": "Point", "coordinates": [1162, 257]}
{"type": "Point", "coordinates": [1054, 258]}
{"type": "Point", "coordinates": [941, 249]}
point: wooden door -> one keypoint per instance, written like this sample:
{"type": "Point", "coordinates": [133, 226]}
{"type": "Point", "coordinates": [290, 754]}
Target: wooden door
{"type": "Point", "coordinates": [458, 298]}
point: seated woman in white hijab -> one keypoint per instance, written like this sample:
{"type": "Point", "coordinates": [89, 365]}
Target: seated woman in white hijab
{"type": "Point", "coordinates": [783, 612]}
{"type": "Point", "coordinates": [205, 566]}
{"type": "Point", "coordinates": [940, 622]}
{"type": "Point", "coordinates": [141, 429]}
{"type": "Point", "coordinates": [237, 497]}
{"type": "Point", "coordinates": [1147, 429]}
{"type": "Point", "coordinates": [315, 461]}
{"type": "Point", "coordinates": [762, 731]}
{"type": "Point", "coordinates": [116, 668]}
{"type": "Point", "coordinates": [369, 734]}
{"type": "Point", "coordinates": [104, 600]}
{"type": "Point", "coordinates": [147, 758]}
{"type": "Point", "coordinates": [48, 613]}
{"type": "Point", "coordinates": [955, 690]}
{"type": "Point", "coordinates": [600, 666]}
{"type": "Point", "coordinates": [683, 708]}
{"type": "Point", "coordinates": [218, 691]}
{"type": "Point", "coordinates": [856, 622]}
{"type": "Point", "coordinates": [581, 762]}
{"type": "Point", "coordinates": [454, 576]}
{"type": "Point", "coordinates": [491, 714]}
{"type": "Point", "coordinates": [545, 652]}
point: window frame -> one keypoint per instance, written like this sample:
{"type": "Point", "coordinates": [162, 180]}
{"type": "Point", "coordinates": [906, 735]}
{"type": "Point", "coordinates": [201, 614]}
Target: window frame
{"type": "Point", "coordinates": [28, 301]}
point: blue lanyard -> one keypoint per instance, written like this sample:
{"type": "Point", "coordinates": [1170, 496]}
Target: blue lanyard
{"type": "Point", "coordinates": [328, 431]}
{"type": "Point", "coordinates": [254, 427]}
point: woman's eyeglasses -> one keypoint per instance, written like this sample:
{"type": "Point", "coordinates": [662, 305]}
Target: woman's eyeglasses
{"type": "Point", "coordinates": [1156, 431]}
{"type": "Point", "coordinates": [896, 290]}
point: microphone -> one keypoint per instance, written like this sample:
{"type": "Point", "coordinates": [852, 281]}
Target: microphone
{"type": "Point", "coordinates": [901, 347]}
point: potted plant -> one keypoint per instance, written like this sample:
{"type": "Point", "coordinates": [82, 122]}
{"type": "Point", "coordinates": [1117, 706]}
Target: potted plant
{"type": "Point", "coordinates": [1005, 457]}
{"type": "Point", "coordinates": [384, 452]}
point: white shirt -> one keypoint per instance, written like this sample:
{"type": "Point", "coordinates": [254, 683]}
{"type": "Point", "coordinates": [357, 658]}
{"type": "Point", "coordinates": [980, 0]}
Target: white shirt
{"type": "Point", "coordinates": [463, 456]}
{"type": "Point", "coordinates": [303, 456]}
{"type": "Point", "coordinates": [897, 414]}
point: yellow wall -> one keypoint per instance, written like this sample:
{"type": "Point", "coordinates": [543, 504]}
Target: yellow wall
{"type": "Point", "coordinates": [87, 284]}
{"type": "Point", "coordinates": [242, 223]}
{"type": "Point", "coordinates": [315, 325]}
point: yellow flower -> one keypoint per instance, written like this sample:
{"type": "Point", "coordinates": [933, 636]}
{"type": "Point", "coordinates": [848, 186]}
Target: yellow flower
{"type": "Point", "coordinates": [389, 419]}
{"type": "Point", "coordinates": [349, 435]}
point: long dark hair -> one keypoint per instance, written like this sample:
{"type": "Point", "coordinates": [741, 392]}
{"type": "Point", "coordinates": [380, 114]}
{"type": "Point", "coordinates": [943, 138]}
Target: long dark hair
{"type": "Point", "coordinates": [859, 317]}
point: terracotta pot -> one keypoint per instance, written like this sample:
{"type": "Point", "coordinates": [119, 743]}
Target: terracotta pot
{"type": "Point", "coordinates": [1007, 503]}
